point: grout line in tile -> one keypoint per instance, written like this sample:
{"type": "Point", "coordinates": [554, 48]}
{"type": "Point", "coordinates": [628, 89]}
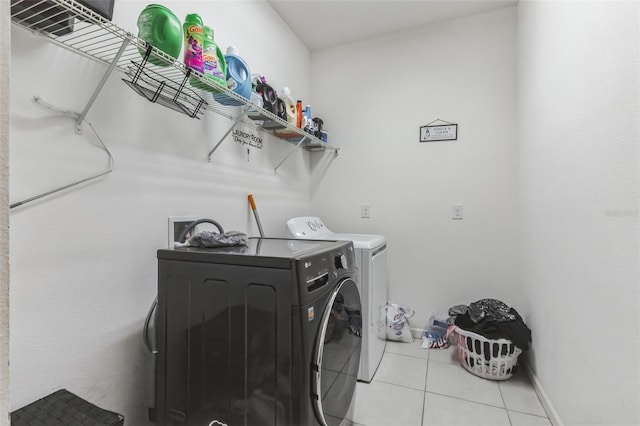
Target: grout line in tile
{"type": "Point", "coordinates": [440, 361]}
{"type": "Point", "coordinates": [504, 403]}
{"type": "Point", "coordinates": [395, 384]}
{"type": "Point", "coordinates": [508, 417]}
{"type": "Point", "coordinates": [424, 394]}
{"type": "Point", "coordinates": [529, 414]}
{"type": "Point", "coordinates": [409, 355]}
{"type": "Point", "coordinates": [468, 400]}
{"type": "Point", "coordinates": [546, 415]}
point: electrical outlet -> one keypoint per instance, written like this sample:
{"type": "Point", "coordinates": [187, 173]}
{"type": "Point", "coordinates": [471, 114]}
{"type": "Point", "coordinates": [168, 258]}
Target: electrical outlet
{"type": "Point", "coordinates": [365, 211]}
{"type": "Point", "coordinates": [456, 211]}
{"type": "Point", "coordinates": [177, 224]}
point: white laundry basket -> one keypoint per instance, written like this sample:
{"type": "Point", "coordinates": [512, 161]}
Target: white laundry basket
{"type": "Point", "coordinates": [490, 359]}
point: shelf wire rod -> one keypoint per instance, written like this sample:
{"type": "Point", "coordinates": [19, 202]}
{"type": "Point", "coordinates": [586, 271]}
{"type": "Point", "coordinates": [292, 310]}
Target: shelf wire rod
{"type": "Point", "coordinates": [245, 111]}
{"type": "Point", "coordinates": [182, 84]}
{"type": "Point", "coordinates": [27, 14]}
{"type": "Point", "coordinates": [104, 52]}
{"type": "Point", "coordinates": [87, 33]}
{"type": "Point", "coordinates": [289, 154]}
{"type": "Point", "coordinates": [171, 75]}
{"type": "Point", "coordinates": [106, 55]}
{"type": "Point", "coordinates": [96, 92]}
{"type": "Point", "coordinates": [126, 56]}
{"type": "Point", "coordinates": [76, 51]}
{"type": "Point", "coordinates": [62, 188]}
{"type": "Point", "coordinates": [101, 50]}
{"type": "Point", "coordinates": [80, 33]}
{"type": "Point", "coordinates": [25, 11]}
{"type": "Point", "coordinates": [142, 65]}
{"type": "Point", "coordinates": [88, 44]}
{"type": "Point", "coordinates": [198, 107]}
{"type": "Point", "coordinates": [156, 95]}
{"type": "Point", "coordinates": [36, 26]}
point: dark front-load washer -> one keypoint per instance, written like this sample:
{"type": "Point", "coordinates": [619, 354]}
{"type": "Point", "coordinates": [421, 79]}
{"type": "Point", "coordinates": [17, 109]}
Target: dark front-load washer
{"type": "Point", "coordinates": [266, 334]}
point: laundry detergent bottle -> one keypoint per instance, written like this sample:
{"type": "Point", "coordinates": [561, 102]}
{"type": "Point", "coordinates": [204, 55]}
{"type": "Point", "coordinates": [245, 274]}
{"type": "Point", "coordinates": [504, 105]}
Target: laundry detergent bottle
{"type": "Point", "coordinates": [214, 64]}
{"type": "Point", "coordinates": [193, 42]}
{"type": "Point", "coordinates": [238, 74]}
{"type": "Point", "coordinates": [289, 106]}
{"type": "Point", "coordinates": [159, 27]}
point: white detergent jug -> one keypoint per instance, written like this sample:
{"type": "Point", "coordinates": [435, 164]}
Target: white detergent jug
{"type": "Point", "coordinates": [290, 106]}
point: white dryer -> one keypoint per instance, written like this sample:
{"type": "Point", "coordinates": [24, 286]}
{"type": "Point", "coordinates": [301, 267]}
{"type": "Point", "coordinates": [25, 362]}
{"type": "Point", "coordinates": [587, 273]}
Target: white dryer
{"type": "Point", "coordinates": [372, 281]}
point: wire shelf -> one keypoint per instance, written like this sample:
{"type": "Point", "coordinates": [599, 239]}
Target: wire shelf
{"type": "Point", "coordinates": [73, 26]}
{"type": "Point", "coordinates": [152, 87]}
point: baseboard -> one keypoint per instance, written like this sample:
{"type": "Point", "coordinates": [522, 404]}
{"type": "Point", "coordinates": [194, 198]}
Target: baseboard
{"type": "Point", "coordinates": [554, 418]}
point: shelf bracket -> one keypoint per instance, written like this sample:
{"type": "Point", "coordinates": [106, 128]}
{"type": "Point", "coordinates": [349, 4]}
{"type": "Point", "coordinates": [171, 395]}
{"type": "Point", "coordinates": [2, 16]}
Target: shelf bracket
{"type": "Point", "coordinates": [96, 92]}
{"type": "Point", "coordinates": [304, 138]}
{"type": "Point", "coordinates": [245, 111]}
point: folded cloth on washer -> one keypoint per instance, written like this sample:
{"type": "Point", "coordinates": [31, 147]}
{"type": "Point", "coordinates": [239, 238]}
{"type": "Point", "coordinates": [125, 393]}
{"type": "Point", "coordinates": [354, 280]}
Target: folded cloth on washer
{"type": "Point", "coordinates": [207, 239]}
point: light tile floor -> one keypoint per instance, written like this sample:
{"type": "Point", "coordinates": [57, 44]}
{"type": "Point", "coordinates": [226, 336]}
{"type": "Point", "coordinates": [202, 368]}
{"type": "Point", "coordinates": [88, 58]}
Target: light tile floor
{"type": "Point", "coordinates": [429, 387]}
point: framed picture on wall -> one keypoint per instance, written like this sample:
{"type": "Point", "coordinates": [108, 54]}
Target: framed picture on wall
{"type": "Point", "coordinates": [439, 132]}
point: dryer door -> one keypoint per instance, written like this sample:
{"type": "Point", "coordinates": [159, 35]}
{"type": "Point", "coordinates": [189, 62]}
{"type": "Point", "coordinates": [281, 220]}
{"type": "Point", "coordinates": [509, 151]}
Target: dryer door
{"type": "Point", "coordinates": [337, 353]}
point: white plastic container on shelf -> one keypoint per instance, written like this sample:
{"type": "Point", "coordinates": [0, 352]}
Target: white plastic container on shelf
{"type": "Point", "coordinates": [490, 359]}
{"type": "Point", "coordinates": [290, 106]}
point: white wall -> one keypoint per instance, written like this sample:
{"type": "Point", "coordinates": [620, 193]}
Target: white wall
{"type": "Point", "coordinates": [5, 61]}
{"type": "Point", "coordinates": [375, 95]}
{"type": "Point", "coordinates": [83, 261]}
{"type": "Point", "coordinates": [578, 115]}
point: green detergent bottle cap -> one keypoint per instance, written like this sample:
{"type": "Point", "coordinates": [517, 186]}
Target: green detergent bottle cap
{"type": "Point", "coordinates": [193, 18]}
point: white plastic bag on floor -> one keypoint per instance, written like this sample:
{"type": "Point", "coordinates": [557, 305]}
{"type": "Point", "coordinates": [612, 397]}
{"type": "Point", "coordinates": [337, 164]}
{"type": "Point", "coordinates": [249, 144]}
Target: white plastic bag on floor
{"type": "Point", "coordinates": [398, 324]}
{"type": "Point", "coordinates": [435, 334]}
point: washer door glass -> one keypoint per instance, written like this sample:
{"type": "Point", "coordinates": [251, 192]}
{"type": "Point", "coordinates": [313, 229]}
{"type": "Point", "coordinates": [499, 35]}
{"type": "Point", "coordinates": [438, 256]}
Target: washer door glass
{"type": "Point", "coordinates": [337, 353]}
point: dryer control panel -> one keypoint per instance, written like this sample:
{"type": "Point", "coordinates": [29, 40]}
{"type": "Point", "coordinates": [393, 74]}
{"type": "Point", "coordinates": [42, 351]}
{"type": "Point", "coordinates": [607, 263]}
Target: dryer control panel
{"type": "Point", "coordinates": [307, 227]}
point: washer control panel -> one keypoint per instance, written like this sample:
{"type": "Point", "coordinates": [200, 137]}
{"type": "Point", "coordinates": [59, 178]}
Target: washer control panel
{"type": "Point", "coordinates": [321, 269]}
{"type": "Point", "coordinates": [340, 262]}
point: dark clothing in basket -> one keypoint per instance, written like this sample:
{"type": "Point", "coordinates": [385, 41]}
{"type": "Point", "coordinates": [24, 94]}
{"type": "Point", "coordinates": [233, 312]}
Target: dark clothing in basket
{"type": "Point", "coordinates": [493, 319]}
